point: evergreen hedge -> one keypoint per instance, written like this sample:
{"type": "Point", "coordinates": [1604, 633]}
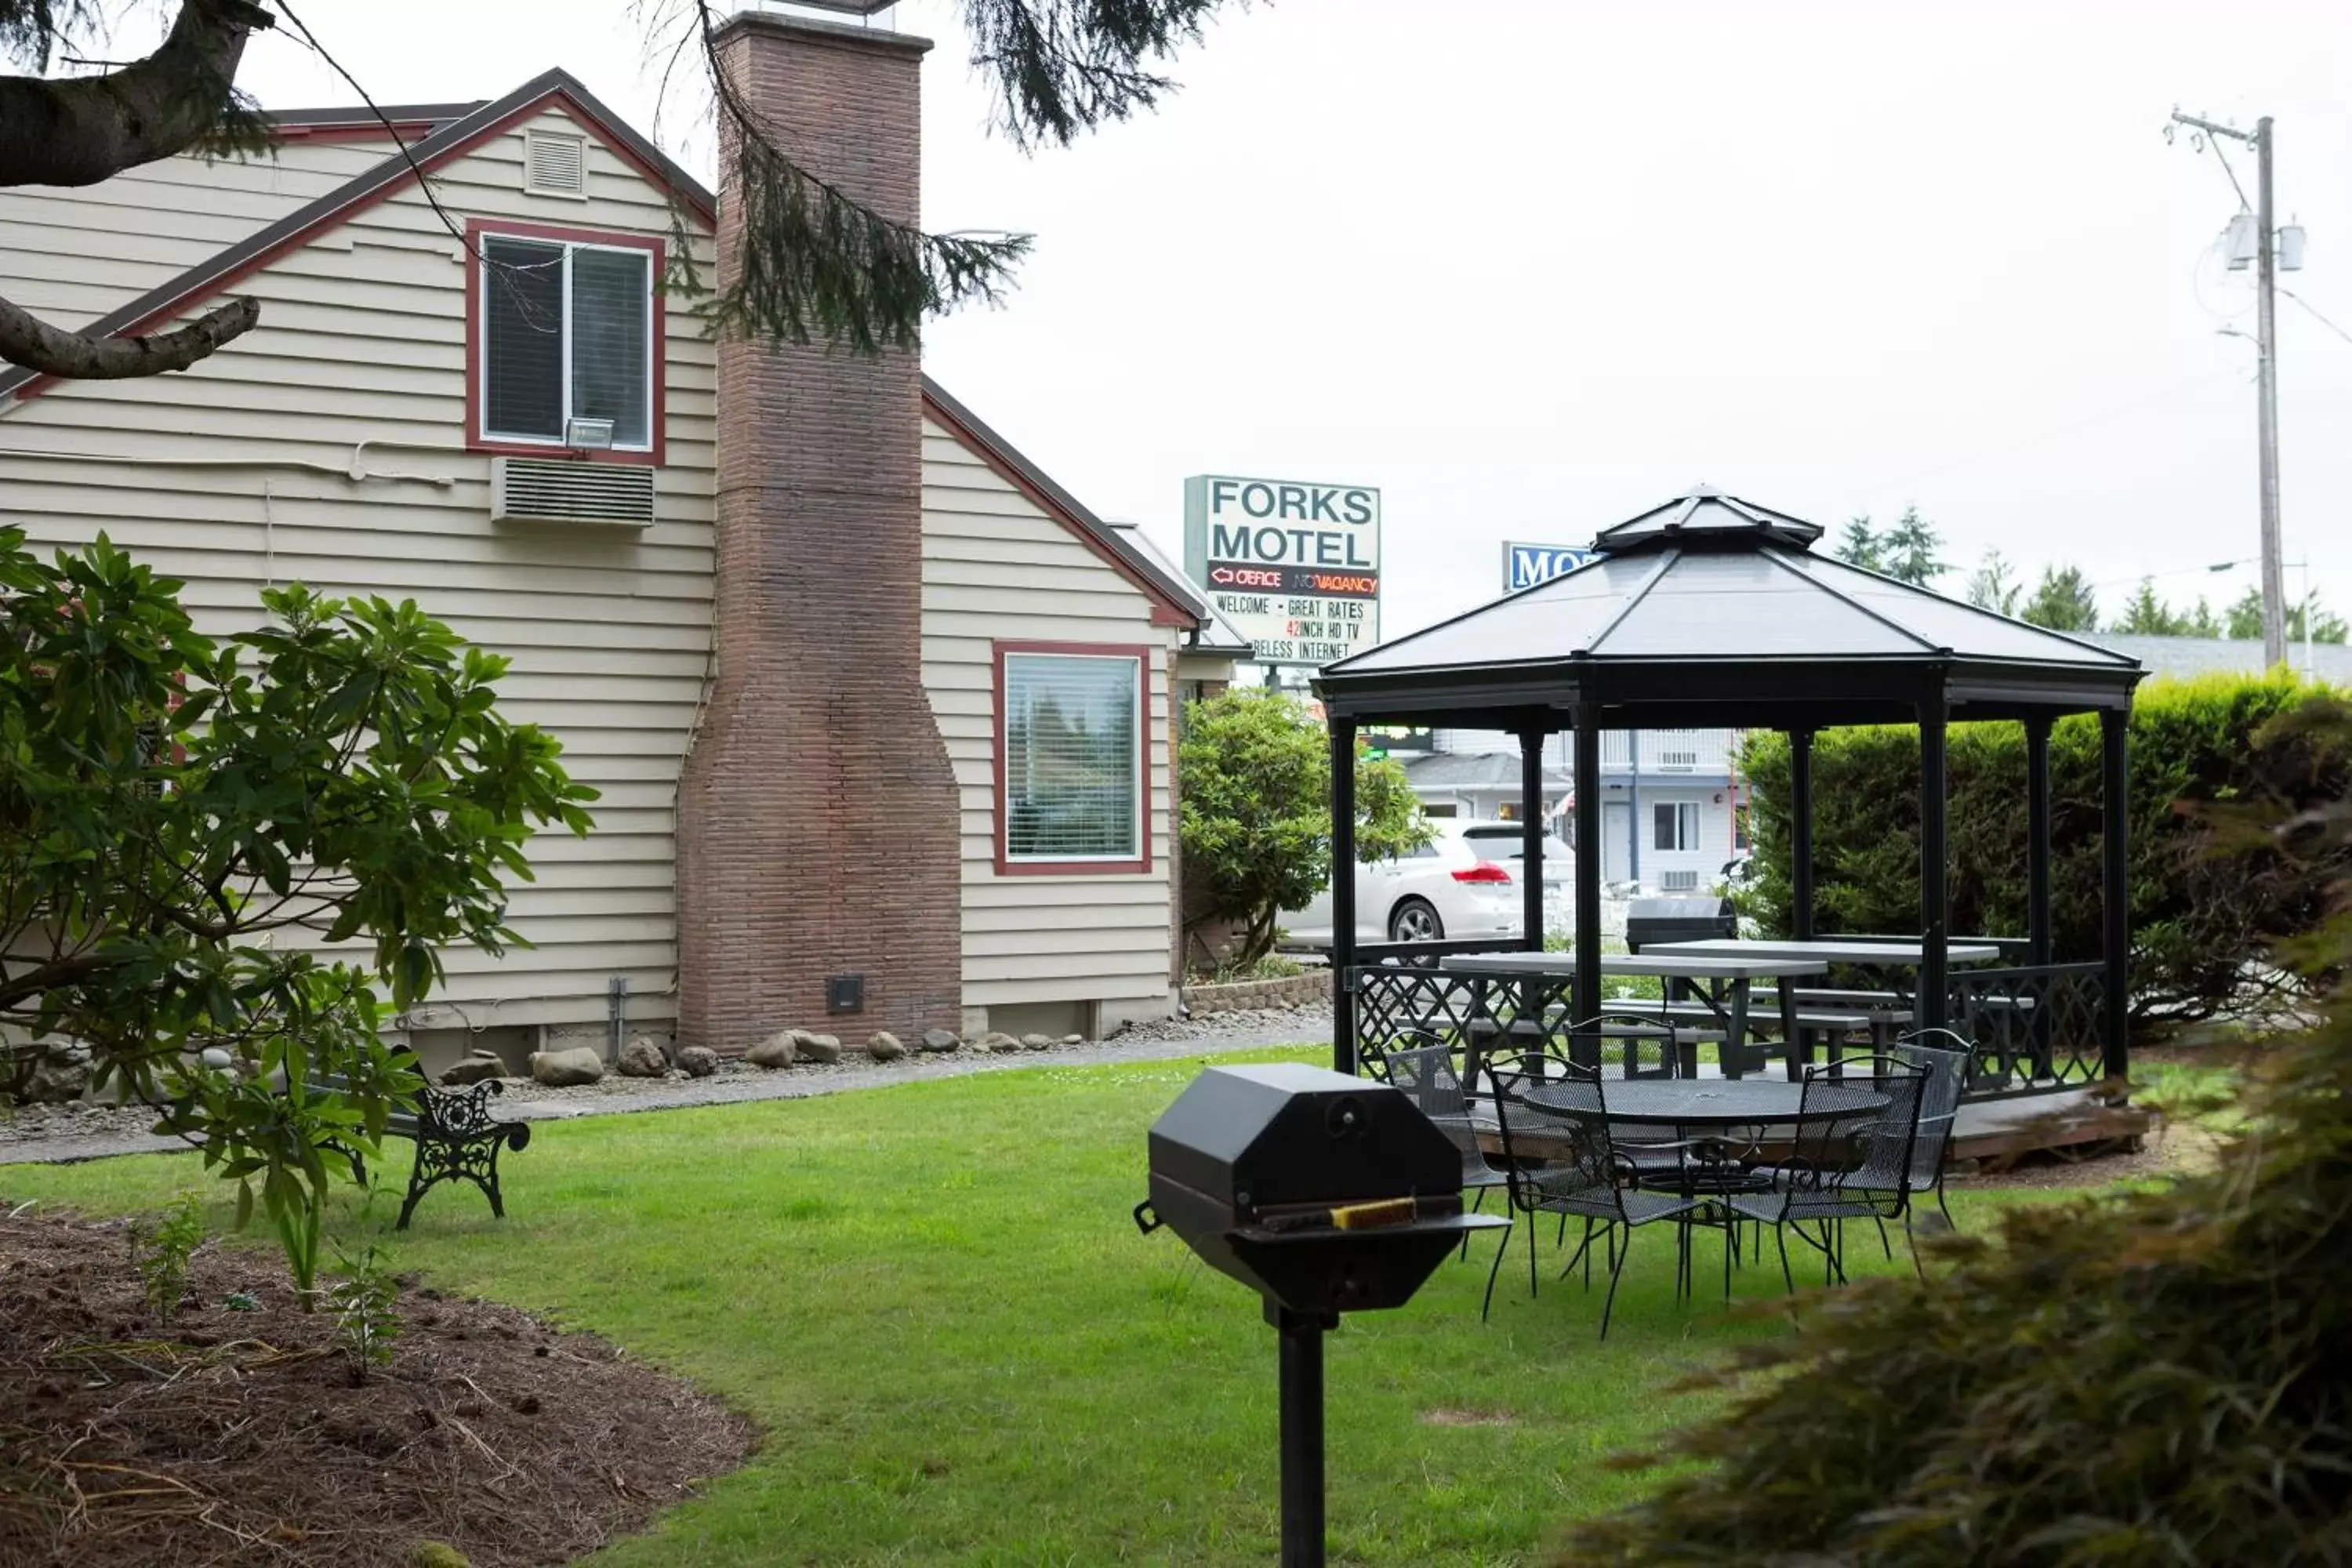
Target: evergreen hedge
{"type": "Point", "coordinates": [2139, 1378]}
{"type": "Point", "coordinates": [2204, 928]}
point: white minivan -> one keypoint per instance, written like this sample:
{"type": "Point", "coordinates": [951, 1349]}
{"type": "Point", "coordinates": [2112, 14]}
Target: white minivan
{"type": "Point", "coordinates": [1465, 882]}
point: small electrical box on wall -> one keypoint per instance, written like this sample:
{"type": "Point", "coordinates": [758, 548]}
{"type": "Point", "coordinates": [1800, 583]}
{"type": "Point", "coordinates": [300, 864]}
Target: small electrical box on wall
{"type": "Point", "coordinates": [845, 993]}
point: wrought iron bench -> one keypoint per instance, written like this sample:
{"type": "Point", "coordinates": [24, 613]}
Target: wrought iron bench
{"type": "Point", "coordinates": [457, 1138]}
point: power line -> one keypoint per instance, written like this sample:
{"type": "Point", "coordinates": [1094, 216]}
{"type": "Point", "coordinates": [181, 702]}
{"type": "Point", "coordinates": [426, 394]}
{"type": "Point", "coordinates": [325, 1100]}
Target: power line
{"type": "Point", "coordinates": [2316, 315]}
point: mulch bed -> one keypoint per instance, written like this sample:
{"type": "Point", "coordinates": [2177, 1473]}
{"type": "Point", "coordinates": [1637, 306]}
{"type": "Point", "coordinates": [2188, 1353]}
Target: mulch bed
{"type": "Point", "coordinates": [250, 1437]}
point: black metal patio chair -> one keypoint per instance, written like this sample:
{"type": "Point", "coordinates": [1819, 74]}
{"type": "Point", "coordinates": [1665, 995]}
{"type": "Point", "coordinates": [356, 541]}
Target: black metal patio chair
{"type": "Point", "coordinates": [1947, 1070]}
{"type": "Point", "coordinates": [1852, 1158]}
{"type": "Point", "coordinates": [1563, 1160]}
{"type": "Point", "coordinates": [1426, 1076]}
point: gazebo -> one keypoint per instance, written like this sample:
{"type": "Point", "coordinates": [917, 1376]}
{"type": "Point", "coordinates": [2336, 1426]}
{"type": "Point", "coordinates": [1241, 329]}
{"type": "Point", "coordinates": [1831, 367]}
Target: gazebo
{"type": "Point", "coordinates": [1713, 611]}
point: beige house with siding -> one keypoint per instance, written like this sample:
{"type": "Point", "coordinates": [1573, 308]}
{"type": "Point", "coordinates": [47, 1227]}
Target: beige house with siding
{"type": "Point", "coordinates": [520, 429]}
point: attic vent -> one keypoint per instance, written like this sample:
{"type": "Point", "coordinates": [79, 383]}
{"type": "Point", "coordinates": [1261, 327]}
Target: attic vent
{"type": "Point", "coordinates": [526, 490]}
{"type": "Point", "coordinates": [555, 164]}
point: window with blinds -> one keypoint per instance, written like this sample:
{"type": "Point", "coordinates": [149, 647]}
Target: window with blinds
{"type": "Point", "coordinates": [1073, 760]}
{"type": "Point", "coordinates": [1676, 825]}
{"type": "Point", "coordinates": [566, 334]}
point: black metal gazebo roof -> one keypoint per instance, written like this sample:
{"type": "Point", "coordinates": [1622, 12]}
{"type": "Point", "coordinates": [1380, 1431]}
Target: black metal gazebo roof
{"type": "Point", "coordinates": [1711, 610]}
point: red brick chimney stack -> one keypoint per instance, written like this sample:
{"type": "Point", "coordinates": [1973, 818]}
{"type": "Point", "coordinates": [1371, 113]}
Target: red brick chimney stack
{"type": "Point", "coordinates": [819, 821]}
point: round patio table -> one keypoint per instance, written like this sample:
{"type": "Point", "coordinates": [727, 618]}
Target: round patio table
{"type": "Point", "coordinates": [1706, 1102]}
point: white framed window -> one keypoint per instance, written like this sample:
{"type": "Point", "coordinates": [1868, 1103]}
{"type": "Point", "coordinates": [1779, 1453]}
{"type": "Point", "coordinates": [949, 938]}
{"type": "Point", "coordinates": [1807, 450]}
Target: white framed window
{"type": "Point", "coordinates": [565, 328]}
{"type": "Point", "coordinates": [1071, 740]}
{"type": "Point", "coordinates": [1674, 825]}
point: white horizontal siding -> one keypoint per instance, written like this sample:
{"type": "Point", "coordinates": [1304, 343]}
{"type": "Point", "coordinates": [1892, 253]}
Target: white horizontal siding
{"type": "Point", "coordinates": [997, 567]}
{"type": "Point", "coordinates": [237, 474]}
{"type": "Point", "coordinates": [73, 255]}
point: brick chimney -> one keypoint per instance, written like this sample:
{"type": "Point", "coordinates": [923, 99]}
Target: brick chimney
{"type": "Point", "coordinates": [819, 822]}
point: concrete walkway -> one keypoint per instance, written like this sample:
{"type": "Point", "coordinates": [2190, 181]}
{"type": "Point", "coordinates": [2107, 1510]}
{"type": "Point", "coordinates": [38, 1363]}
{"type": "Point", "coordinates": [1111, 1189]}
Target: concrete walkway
{"type": "Point", "coordinates": [616, 1096]}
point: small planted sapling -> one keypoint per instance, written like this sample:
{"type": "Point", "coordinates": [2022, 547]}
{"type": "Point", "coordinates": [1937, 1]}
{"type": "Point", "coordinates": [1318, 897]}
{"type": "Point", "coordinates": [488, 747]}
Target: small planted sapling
{"type": "Point", "coordinates": [160, 1251]}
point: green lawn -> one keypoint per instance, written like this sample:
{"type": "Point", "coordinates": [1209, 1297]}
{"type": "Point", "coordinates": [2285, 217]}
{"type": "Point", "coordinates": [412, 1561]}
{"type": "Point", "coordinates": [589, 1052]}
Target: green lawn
{"type": "Point", "coordinates": [933, 1300]}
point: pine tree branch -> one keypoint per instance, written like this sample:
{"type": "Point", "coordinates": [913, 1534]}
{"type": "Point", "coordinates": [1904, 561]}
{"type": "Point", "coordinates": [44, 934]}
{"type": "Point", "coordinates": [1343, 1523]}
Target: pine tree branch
{"type": "Point", "coordinates": [1066, 66]}
{"type": "Point", "coordinates": [27, 340]}
{"type": "Point", "coordinates": [78, 131]}
{"type": "Point", "coordinates": [815, 262]}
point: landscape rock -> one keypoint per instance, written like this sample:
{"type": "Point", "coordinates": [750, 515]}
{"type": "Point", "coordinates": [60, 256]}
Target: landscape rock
{"type": "Point", "coordinates": [825, 1049]}
{"type": "Point", "coordinates": [563, 1069]}
{"type": "Point", "coordinates": [940, 1040]}
{"type": "Point", "coordinates": [780, 1049]}
{"type": "Point", "coordinates": [699, 1061]}
{"type": "Point", "coordinates": [996, 1040]}
{"type": "Point", "coordinates": [56, 1081]}
{"type": "Point", "coordinates": [642, 1059]}
{"type": "Point", "coordinates": [885, 1047]}
{"type": "Point", "coordinates": [1037, 1042]}
{"type": "Point", "coordinates": [214, 1058]}
{"type": "Point", "coordinates": [1074, 1039]}
{"type": "Point", "coordinates": [472, 1068]}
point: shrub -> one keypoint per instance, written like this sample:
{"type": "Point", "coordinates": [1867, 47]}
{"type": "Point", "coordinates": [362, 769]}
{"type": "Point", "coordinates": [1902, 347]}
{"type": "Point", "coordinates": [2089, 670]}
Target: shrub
{"type": "Point", "coordinates": [234, 846]}
{"type": "Point", "coordinates": [2203, 927]}
{"type": "Point", "coordinates": [1273, 966]}
{"type": "Point", "coordinates": [2135, 1379]}
{"type": "Point", "coordinates": [1255, 773]}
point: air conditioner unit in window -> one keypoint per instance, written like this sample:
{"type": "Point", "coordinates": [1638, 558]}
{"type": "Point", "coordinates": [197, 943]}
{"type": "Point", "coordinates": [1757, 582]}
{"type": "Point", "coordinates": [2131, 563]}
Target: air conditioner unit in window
{"type": "Point", "coordinates": [530, 490]}
{"type": "Point", "coordinates": [1678, 881]}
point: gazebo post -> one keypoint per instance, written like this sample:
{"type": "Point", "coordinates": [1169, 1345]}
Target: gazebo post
{"type": "Point", "coordinates": [2038, 946]}
{"type": "Point", "coordinates": [1801, 834]}
{"type": "Point", "coordinates": [1585, 997]}
{"type": "Point", "coordinates": [1934, 1000]}
{"type": "Point", "coordinates": [2115, 738]}
{"type": "Point", "coordinates": [2037, 839]}
{"type": "Point", "coordinates": [1343, 894]}
{"type": "Point", "coordinates": [1531, 840]}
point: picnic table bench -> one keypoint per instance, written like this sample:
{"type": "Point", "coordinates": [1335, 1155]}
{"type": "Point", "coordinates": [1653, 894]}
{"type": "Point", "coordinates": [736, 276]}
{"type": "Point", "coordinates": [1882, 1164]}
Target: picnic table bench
{"type": "Point", "coordinates": [457, 1138]}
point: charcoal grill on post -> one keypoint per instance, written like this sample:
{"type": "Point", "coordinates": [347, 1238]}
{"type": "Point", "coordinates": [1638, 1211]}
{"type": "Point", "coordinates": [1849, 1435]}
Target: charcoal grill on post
{"type": "Point", "coordinates": [1651, 921]}
{"type": "Point", "coordinates": [1325, 1194]}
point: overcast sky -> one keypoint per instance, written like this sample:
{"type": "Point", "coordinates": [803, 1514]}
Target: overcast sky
{"type": "Point", "coordinates": [1533, 266]}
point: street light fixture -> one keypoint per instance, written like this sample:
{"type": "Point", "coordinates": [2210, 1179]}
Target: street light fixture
{"type": "Point", "coordinates": [2303, 566]}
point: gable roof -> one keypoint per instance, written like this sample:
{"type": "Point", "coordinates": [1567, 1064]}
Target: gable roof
{"type": "Point", "coordinates": [456, 129]}
{"type": "Point", "coordinates": [451, 139]}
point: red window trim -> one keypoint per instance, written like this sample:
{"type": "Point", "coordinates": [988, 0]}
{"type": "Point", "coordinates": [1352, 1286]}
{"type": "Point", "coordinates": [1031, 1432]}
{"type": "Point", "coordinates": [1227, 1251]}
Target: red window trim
{"type": "Point", "coordinates": [1008, 867]}
{"type": "Point", "coordinates": [475, 229]}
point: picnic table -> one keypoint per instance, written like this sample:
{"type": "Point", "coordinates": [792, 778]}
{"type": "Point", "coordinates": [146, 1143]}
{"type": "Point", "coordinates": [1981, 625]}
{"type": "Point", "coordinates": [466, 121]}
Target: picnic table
{"type": "Point", "coordinates": [1820, 1010]}
{"type": "Point", "coordinates": [1724, 983]}
{"type": "Point", "coordinates": [1899, 953]}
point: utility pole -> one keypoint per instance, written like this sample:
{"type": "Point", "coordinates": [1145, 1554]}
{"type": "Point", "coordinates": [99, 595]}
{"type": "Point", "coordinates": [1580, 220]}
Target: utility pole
{"type": "Point", "coordinates": [2266, 345]}
{"type": "Point", "coordinates": [2266, 328]}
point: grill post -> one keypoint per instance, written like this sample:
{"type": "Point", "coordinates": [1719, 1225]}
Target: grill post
{"type": "Point", "coordinates": [1301, 1401]}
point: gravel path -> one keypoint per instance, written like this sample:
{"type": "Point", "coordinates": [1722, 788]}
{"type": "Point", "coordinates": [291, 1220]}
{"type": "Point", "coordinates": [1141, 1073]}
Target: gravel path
{"type": "Point", "coordinates": [64, 1133]}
